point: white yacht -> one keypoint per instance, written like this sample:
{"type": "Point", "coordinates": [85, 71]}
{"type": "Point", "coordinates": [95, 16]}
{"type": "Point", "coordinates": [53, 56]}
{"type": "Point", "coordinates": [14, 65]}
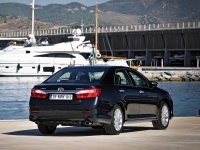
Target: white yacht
{"type": "Point", "coordinates": [45, 60]}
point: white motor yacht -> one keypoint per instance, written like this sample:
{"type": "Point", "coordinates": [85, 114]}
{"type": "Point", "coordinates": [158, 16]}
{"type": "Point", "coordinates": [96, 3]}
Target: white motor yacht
{"type": "Point", "coordinates": [46, 60]}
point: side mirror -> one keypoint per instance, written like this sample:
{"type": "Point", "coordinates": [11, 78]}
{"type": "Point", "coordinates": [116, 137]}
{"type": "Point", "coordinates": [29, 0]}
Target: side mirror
{"type": "Point", "coordinates": [154, 84]}
{"type": "Point", "coordinates": [145, 85]}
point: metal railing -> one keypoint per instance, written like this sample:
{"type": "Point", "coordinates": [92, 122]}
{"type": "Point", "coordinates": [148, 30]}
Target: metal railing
{"type": "Point", "coordinates": [120, 28]}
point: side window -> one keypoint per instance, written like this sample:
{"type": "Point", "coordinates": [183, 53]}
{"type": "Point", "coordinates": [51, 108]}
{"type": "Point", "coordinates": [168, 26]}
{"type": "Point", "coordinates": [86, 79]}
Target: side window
{"type": "Point", "coordinates": [51, 55]}
{"type": "Point", "coordinates": [57, 55]}
{"type": "Point", "coordinates": [137, 79]}
{"type": "Point", "coordinates": [60, 55]}
{"type": "Point", "coordinates": [120, 78]}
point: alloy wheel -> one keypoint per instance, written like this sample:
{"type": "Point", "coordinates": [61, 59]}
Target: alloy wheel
{"type": "Point", "coordinates": [118, 119]}
{"type": "Point", "coordinates": [165, 115]}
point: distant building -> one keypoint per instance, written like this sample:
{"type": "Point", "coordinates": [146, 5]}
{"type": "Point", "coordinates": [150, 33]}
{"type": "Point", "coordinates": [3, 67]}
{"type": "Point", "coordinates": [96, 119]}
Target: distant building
{"type": "Point", "coordinates": [75, 9]}
{"type": "Point", "coordinates": [83, 8]}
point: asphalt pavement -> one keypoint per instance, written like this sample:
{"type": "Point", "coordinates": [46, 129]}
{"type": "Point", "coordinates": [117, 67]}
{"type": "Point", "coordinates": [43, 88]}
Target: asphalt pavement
{"type": "Point", "coordinates": [182, 134]}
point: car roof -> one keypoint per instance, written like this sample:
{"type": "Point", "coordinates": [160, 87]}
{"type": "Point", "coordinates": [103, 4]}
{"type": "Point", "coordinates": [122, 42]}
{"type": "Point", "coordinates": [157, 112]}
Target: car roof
{"type": "Point", "coordinates": [96, 67]}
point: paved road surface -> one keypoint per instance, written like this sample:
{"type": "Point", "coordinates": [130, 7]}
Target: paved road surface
{"type": "Point", "coordinates": [182, 134]}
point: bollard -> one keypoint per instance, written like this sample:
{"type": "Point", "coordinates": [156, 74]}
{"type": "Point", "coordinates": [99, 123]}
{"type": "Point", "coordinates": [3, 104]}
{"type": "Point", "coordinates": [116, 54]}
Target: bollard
{"type": "Point", "coordinates": [162, 63]}
{"type": "Point", "coordinates": [197, 63]}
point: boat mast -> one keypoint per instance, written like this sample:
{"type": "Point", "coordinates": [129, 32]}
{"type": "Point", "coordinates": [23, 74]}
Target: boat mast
{"type": "Point", "coordinates": [96, 36]}
{"type": "Point", "coordinates": [32, 31]}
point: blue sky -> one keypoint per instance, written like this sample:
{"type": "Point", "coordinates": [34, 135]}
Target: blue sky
{"type": "Point", "coordinates": [46, 2]}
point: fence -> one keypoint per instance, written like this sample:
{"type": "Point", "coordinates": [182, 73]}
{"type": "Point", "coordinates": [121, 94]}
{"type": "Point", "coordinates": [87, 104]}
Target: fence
{"type": "Point", "coordinates": [123, 28]}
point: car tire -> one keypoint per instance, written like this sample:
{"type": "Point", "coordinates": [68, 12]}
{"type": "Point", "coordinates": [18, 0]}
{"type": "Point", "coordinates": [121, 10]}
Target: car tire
{"type": "Point", "coordinates": [163, 117]}
{"type": "Point", "coordinates": [44, 129]}
{"type": "Point", "coordinates": [117, 120]}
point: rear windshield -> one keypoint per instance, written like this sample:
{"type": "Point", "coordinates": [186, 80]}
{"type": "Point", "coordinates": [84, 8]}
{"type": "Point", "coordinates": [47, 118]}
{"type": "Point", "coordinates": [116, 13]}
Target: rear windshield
{"type": "Point", "coordinates": [73, 75]}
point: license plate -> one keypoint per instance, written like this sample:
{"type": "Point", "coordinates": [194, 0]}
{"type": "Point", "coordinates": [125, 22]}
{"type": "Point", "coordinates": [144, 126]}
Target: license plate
{"type": "Point", "coordinates": [61, 97]}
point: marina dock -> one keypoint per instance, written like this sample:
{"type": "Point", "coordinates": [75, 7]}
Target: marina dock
{"type": "Point", "coordinates": [170, 73]}
{"type": "Point", "coordinates": [183, 133]}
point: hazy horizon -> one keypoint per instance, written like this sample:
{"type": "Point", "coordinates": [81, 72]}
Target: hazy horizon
{"type": "Point", "coordinates": [43, 3]}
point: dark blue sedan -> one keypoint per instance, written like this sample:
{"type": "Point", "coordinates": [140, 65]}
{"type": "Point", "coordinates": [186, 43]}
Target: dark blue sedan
{"type": "Point", "coordinates": [98, 97]}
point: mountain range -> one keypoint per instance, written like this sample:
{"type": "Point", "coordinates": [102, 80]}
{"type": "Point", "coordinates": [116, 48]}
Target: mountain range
{"type": "Point", "coordinates": [15, 16]}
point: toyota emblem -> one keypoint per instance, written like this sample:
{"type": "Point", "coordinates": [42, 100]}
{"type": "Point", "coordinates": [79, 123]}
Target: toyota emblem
{"type": "Point", "coordinates": [60, 89]}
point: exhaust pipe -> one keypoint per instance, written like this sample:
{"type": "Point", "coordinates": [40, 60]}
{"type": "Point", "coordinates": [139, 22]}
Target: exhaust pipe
{"type": "Point", "coordinates": [36, 121]}
{"type": "Point", "coordinates": [88, 123]}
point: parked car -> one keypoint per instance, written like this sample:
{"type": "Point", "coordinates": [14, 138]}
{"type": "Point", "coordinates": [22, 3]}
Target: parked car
{"type": "Point", "coordinates": [98, 97]}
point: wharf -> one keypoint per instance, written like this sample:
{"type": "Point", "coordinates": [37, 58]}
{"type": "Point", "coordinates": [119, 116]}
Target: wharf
{"type": "Point", "coordinates": [170, 73]}
{"type": "Point", "coordinates": [183, 133]}
{"type": "Point", "coordinates": [171, 68]}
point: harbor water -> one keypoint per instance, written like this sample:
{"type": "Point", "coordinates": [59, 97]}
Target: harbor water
{"type": "Point", "coordinates": [15, 93]}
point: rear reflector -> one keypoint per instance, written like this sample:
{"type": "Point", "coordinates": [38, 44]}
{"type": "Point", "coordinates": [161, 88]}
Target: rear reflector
{"type": "Point", "coordinates": [88, 93]}
{"type": "Point", "coordinates": [87, 111]}
{"type": "Point", "coordinates": [34, 110]}
{"type": "Point", "coordinates": [35, 92]}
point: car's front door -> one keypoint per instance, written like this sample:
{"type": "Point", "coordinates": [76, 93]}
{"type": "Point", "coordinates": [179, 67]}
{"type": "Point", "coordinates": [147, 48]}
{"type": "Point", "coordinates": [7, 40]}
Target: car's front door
{"type": "Point", "coordinates": [148, 103]}
{"type": "Point", "coordinates": [148, 99]}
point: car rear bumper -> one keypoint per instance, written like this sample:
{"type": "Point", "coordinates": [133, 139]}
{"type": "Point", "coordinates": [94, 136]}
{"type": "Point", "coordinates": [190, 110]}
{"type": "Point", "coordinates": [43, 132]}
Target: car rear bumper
{"type": "Point", "coordinates": [66, 117]}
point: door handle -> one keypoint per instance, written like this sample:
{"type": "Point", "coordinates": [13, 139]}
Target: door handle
{"type": "Point", "coordinates": [121, 91]}
{"type": "Point", "coordinates": [141, 92]}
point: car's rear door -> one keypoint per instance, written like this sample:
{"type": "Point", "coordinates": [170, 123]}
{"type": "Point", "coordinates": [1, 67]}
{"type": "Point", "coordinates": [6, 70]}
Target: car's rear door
{"type": "Point", "coordinates": [131, 95]}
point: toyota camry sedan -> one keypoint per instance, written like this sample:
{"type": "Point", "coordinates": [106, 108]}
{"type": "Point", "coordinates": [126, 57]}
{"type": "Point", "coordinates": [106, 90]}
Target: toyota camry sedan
{"type": "Point", "coordinates": [98, 97]}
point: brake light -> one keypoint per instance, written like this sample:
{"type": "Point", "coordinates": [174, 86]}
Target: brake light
{"type": "Point", "coordinates": [88, 93]}
{"type": "Point", "coordinates": [35, 92]}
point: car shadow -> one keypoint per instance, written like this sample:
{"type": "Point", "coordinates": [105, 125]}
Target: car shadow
{"type": "Point", "coordinates": [136, 129]}
{"type": "Point", "coordinates": [75, 131]}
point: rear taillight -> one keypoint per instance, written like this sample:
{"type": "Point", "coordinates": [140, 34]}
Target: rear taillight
{"type": "Point", "coordinates": [88, 93]}
{"type": "Point", "coordinates": [35, 92]}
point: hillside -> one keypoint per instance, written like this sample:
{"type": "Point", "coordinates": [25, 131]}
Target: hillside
{"type": "Point", "coordinates": [161, 8]}
{"type": "Point", "coordinates": [21, 23]}
{"type": "Point", "coordinates": [114, 12]}
{"type": "Point", "coordinates": [119, 19]}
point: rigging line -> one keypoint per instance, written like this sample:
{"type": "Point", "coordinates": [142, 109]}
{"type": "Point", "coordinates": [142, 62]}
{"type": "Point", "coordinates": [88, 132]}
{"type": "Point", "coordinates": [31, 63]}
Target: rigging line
{"type": "Point", "coordinates": [98, 42]}
{"type": "Point", "coordinates": [124, 54]}
{"type": "Point", "coordinates": [127, 42]}
{"type": "Point", "coordinates": [72, 46]}
{"type": "Point", "coordinates": [122, 49]}
{"type": "Point", "coordinates": [104, 43]}
{"type": "Point", "coordinates": [109, 44]}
